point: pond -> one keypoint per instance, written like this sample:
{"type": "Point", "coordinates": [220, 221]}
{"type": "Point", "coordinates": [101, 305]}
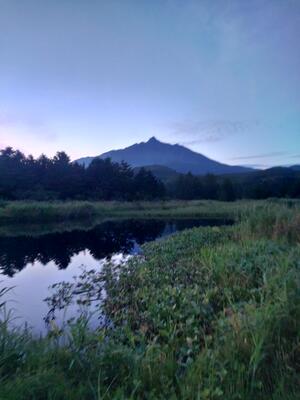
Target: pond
{"type": "Point", "coordinates": [31, 263]}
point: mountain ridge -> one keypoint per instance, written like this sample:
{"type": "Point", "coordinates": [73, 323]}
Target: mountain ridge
{"type": "Point", "coordinates": [174, 156]}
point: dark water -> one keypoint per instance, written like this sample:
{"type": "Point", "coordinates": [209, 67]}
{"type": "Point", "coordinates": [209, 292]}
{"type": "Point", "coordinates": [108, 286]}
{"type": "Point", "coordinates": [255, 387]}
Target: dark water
{"type": "Point", "coordinates": [31, 264]}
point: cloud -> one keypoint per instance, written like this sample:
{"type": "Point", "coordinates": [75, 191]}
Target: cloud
{"type": "Point", "coordinates": [211, 130]}
{"type": "Point", "coordinates": [264, 155]}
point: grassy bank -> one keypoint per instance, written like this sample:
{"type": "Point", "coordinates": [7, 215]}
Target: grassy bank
{"type": "Point", "coordinates": [210, 313]}
{"type": "Point", "coordinates": [40, 212]}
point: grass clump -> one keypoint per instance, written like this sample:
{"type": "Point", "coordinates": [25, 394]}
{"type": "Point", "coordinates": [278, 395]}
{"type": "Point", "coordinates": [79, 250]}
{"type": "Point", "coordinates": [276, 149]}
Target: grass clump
{"type": "Point", "coordinates": [209, 313]}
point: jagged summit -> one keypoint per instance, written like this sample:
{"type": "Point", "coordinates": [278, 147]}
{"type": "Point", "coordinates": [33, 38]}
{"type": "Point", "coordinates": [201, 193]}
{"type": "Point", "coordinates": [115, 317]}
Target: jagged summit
{"type": "Point", "coordinates": [176, 157]}
{"type": "Point", "coordinates": [153, 140]}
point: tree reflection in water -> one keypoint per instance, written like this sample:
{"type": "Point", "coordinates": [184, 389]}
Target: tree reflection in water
{"type": "Point", "coordinates": [101, 241]}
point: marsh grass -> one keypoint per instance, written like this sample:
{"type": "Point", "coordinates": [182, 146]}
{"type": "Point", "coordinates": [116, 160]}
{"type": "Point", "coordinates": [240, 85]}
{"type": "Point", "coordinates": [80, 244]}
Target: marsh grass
{"type": "Point", "coordinates": [30, 211]}
{"type": "Point", "coordinates": [209, 313]}
{"type": "Point", "coordinates": [278, 220]}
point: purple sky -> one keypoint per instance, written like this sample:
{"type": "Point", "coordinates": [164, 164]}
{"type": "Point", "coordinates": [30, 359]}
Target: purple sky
{"type": "Point", "coordinates": [87, 76]}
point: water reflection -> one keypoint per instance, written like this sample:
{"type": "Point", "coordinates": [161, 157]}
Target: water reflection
{"type": "Point", "coordinates": [108, 238]}
{"type": "Point", "coordinates": [30, 263]}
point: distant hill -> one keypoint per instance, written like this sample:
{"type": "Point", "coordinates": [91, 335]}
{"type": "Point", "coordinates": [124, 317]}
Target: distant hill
{"type": "Point", "coordinates": [175, 157]}
{"type": "Point", "coordinates": [277, 172]}
{"type": "Point", "coordinates": [272, 172]}
{"type": "Point", "coordinates": [295, 167]}
{"type": "Point", "coordinates": [165, 174]}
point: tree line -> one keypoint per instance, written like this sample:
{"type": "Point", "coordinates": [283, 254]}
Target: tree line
{"type": "Point", "coordinates": [277, 182]}
{"type": "Point", "coordinates": [58, 178]}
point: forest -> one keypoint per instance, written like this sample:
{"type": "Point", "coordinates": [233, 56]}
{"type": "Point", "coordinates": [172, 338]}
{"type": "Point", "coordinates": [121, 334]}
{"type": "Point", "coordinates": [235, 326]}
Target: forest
{"type": "Point", "coordinates": [58, 178]}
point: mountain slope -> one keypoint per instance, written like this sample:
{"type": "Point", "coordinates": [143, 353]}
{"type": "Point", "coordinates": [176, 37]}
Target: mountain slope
{"type": "Point", "coordinates": [176, 157]}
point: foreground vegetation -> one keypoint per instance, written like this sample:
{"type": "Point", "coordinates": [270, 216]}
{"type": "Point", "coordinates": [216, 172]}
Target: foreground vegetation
{"type": "Point", "coordinates": [210, 313]}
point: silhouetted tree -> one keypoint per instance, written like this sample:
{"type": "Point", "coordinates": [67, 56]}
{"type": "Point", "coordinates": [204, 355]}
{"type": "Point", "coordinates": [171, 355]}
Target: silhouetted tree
{"type": "Point", "coordinates": [146, 186]}
{"type": "Point", "coordinates": [188, 187]}
{"type": "Point", "coordinates": [46, 178]}
{"type": "Point", "coordinates": [58, 178]}
{"type": "Point", "coordinates": [211, 189]}
{"type": "Point", "coordinates": [227, 192]}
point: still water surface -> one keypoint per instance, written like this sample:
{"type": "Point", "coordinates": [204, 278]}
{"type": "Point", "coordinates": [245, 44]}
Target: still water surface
{"type": "Point", "coordinates": [30, 264]}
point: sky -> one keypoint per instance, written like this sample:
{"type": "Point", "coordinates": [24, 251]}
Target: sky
{"type": "Point", "coordinates": [221, 77]}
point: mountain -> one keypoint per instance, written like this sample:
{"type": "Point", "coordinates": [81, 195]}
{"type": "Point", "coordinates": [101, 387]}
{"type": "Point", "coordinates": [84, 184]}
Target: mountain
{"type": "Point", "coordinates": [176, 157]}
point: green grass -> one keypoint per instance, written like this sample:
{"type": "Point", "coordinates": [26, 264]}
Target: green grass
{"type": "Point", "coordinates": [209, 313]}
{"type": "Point", "coordinates": [19, 217]}
{"type": "Point", "coordinates": [29, 212]}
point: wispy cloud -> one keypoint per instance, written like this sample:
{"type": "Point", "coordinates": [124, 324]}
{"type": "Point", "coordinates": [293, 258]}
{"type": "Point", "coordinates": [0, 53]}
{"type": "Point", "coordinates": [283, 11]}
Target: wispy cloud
{"type": "Point", "coordinates": [210, 130]}
{"type": "Point", "coordinates": [264, 155]}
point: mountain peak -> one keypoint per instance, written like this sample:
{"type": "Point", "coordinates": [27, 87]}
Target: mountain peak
{"type": "Point", "coordinates": [153, 140]}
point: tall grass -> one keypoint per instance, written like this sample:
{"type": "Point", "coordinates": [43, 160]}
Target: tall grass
{"type": "Point", "coordinates": [279, 220]}
{"type": "Point", "coordinates": [209, 313]}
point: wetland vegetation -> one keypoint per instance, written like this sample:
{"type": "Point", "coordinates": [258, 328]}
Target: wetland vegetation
{"type": "Point", "coordinates": [89, 212]}
{"type": "Point", "coordinates": [208, 313]}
